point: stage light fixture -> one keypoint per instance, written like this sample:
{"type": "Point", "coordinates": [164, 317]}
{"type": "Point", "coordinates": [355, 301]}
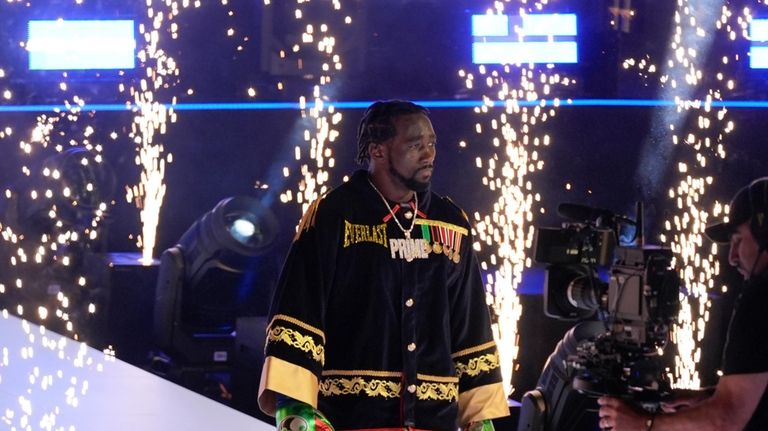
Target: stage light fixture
{"type": "Point", "coordinates": [76, 184]}
{"type": "Point", "coordinates": [207, 281]}
{"type": "Point", "coordinates": [54, 223]}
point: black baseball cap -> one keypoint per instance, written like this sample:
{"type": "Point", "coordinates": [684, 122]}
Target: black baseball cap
{"type": "Point", "coordinates": [740, 211]}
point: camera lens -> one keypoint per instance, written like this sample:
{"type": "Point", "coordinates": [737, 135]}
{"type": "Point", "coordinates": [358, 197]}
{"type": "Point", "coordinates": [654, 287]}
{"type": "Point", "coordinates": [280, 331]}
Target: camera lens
{"type": "Point", "coordinates": [582, 294]}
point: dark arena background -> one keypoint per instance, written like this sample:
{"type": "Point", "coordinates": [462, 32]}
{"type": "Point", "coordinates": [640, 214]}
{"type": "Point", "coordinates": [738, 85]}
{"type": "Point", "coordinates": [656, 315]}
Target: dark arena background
{"type": "Point", "coordinates": [157, 157]}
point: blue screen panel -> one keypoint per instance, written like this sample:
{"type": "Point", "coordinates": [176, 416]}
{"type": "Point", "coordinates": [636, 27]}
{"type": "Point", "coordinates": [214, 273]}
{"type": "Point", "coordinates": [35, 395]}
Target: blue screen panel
{"type": "Point", "coordinates": [524, 52]}
{"type": "Point", "coordinates": [547, 25]}
{"type": "Point", "coordinates": [758, 51]}
{"type": "Point", "coordinates": [490, 25]}
{"type": "Point", "coordinates": [537, 38]}
{"type": "Point", "coordinates": [81, 44]}
{"type": "Point", "coordinates": [758, 57]}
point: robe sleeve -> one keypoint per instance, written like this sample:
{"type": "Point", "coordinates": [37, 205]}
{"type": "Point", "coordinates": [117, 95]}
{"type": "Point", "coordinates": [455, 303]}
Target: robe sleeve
{"type": "Point", "coordinates": [295, 341]}
{"type": "Point", "coordinates": [475, 354]}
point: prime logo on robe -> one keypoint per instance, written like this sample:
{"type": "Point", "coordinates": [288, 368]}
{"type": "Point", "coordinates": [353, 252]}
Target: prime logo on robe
{"type": "Point", "coordinates": [409, 249]}
{"type": "Point", "coordinates": [357, 233]}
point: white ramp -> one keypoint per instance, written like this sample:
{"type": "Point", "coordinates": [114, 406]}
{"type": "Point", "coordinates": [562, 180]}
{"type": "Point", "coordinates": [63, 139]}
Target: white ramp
{"type": "Point", "coordinates": [50, 382]}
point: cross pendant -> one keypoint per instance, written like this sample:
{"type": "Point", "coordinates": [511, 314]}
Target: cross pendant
{"type": "Point", "coordinates": [407, 235]}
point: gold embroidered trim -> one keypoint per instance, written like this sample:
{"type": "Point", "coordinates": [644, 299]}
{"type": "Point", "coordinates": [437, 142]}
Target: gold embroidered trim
{"type": "Point", "coordinates": [473, 349]}
{"type": "Point", "coordinates": [444, 379]}
{"type": "Point", "coordinates": [295, 339]}
{"type": "Point", "coordinates": [438, 391]}
{"type": "Point", "coordinates": [298, 323]}
{"type": "Point", "coordinates": [358, 385]}
{"type": "Point", "coordinates": [441, 388]}
{"type": "Point", "coordinates": [439, 223]}
{"type": "Point", "coordinates": [369, 373]}
{"type": "Point", "coordinates": [481, 364]}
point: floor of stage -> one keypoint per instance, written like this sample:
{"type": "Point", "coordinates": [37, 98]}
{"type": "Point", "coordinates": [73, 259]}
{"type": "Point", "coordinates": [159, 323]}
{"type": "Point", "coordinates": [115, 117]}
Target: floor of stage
{"type": "Point", "coordinates": [52, 382]}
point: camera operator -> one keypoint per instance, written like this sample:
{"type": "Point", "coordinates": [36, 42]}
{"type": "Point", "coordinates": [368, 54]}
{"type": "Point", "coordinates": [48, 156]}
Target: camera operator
{"type": "Point", "coordinates": [739, 401]}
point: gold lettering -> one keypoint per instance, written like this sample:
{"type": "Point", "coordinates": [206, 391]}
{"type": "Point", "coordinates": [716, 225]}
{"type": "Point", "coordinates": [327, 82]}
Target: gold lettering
{"type": "Point", "coordinates": [347, 233]}
{"type": "Point", "coordinates": [382, 228]}
{"type": "Point", "coordinates": [375, 235]}
{"type": "Point", "coordinates": [357, 233]}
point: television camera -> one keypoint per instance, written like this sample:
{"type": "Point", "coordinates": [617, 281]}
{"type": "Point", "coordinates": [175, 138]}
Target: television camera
{"type": "Point", "coordinates": [623, 295]}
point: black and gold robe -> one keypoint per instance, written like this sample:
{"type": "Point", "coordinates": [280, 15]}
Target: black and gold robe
{"type": "Point", "coordinates": [378, 330]}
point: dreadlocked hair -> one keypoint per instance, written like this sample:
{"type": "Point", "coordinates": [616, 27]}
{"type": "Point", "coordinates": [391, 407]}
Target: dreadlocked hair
{"type": "Point", "coordinates": [377, 125]}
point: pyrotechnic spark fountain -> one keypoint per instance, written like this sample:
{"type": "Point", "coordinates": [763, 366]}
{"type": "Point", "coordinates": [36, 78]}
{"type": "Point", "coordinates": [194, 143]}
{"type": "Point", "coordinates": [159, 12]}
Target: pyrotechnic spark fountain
{"type": "Point", "coordinates": [60, 248]}
{"type": "Point", "coordinates": [322, 63]}
{"type": "Point", "coordinates": [52, 222]}
{"type": "Point", "coordinates": [152, 118]}
{"type": "Point", "coordinates": [696, 144]}
{"type": "Point", "coordinates": [51, 227]}
{"type": "Point", "coordinates": [505, 231]}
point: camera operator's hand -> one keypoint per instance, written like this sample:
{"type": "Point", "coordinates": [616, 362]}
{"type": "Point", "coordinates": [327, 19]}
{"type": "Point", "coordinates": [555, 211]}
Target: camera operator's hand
{"type": "Point", "coordinates": [684, 398]}
{"type": "Point", "coordinates": [617, 415]}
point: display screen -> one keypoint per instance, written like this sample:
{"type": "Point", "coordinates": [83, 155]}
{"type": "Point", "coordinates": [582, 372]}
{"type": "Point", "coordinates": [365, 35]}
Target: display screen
{"type": "Point", "coordinates": [538, 38]}
{"type": "Point", "coordinates": [81, 44]}
{"type": "Point", "coordinates": [758, 50]}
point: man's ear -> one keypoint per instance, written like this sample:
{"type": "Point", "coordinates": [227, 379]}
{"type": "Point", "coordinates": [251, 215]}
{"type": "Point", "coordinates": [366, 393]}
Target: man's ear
{"type": "Point", "coordinates": [375, 150]}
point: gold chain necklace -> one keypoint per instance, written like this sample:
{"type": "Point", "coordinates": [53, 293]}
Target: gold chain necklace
{"type": "Point", "coordinates": [407, 232]}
